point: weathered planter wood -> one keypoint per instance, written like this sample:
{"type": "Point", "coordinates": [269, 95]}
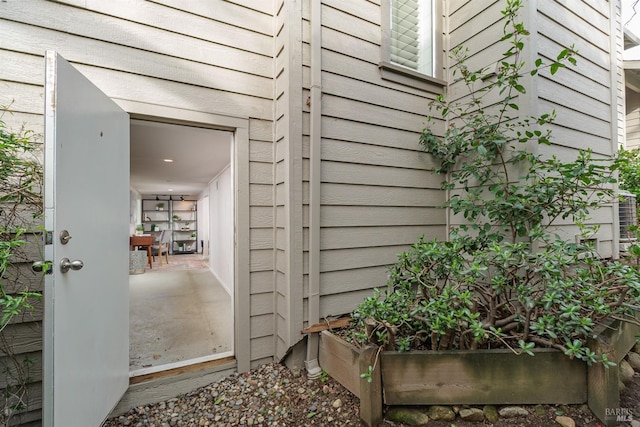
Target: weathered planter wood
{"type": "Point", "coordinates": [345, 362]}
{"type": "Point", "coordinates": [614, 339]}
{"type": "Point", "coordinates": [482, 377]}
{"type": "Point", "coordinates": [479, 377]}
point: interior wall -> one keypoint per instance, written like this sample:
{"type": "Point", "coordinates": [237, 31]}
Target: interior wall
{"type": "Point", "coordinates": [135, 209]}
{"type": "Point", "coordinates": [203, 223]}
{"type": "Point", "coordinates": [221, 228]}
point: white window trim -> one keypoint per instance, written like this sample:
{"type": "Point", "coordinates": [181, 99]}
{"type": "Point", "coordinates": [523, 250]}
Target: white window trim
{"type": "Point", "coordinates": [403, 75]}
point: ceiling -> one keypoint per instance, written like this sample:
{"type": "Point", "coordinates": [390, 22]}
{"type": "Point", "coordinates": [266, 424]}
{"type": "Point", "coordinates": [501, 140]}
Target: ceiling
{"type": "Point", "coordinates": [198, 155]}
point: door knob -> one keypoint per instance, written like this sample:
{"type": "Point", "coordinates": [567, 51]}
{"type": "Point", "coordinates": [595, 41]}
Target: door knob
{"type": "Point", "coordinates": [67, 264]}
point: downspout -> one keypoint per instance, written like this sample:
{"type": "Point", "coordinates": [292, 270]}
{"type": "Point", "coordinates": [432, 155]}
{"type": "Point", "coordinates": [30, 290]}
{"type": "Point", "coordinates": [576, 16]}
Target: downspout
{"type": "Point", "coordinates": [315, 102]}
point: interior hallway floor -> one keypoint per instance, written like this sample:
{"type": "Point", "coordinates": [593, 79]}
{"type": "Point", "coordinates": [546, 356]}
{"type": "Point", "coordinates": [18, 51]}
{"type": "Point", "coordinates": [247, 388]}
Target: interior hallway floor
{"type": "Point", "coordinates": [177, 312]}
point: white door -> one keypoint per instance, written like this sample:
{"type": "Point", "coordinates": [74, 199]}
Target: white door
{"type": "Point", "coordinates": [86, 320]}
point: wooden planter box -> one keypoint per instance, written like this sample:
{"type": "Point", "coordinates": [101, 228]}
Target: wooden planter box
{"type": "Point", "coordinates": [478, 377]}
{"type": "Point", "coordinates": [482, 377]}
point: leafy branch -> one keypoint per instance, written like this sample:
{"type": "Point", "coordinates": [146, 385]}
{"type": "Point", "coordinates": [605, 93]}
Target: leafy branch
{"type": "Point", "coordinates": [505, 277]}
{"type": "Point", "coordinates": [20, 212]}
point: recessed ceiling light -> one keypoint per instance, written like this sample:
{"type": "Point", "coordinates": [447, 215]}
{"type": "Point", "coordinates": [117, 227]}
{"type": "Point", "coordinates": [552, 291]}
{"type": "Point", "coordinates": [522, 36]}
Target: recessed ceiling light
{"type": "Point", "coordinates": [167, 160]}
{"type": "Point", "coordinates": [170, 189]}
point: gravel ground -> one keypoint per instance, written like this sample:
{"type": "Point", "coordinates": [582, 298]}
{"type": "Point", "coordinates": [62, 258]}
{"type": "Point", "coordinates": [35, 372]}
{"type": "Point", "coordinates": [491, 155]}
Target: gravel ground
{"type": "Point", "coordinates": [271, 395]}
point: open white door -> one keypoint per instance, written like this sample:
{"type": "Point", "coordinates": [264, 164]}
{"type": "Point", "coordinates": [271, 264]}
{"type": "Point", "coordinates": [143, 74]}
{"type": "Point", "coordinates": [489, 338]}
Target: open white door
{"type": "Point", "coordinates": [86, 318]}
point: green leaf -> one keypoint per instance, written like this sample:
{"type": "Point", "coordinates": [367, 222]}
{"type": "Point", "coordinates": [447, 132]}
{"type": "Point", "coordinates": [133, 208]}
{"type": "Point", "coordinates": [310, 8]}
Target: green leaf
{"type": "Point", "coordinates": [563, 53]}
{"type": "Point", "coordinates": [555, 67]}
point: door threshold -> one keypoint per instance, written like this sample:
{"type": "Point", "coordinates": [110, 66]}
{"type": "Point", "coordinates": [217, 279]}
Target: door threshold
{"type": "Point", "coordinates": [163, 385]}
{"type": "Point", "coordinates": [178, 367]}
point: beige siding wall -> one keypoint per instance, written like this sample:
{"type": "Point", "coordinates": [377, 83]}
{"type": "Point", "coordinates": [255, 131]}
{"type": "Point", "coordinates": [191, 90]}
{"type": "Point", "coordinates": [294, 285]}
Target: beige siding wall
{"type": "Point", "coordinates": [377, 192]}
{"type": "Point", "coordinates": [632, 119]}
{"type": "Point", "coordinates": [204, 56]}
{"type": "Point", "coordinates": [475, 25]}
{"type": "Point", "coordinates": [252, 59]}
{"type": "Point", "coordinates": [587, 109]}
{"type": "Point", "coordinates": [586, 98]}
{"type": "Point", "coordinates": [288, 171]}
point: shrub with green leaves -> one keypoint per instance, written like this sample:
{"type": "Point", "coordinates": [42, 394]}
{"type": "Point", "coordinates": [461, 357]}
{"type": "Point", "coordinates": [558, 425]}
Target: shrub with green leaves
{"type": "Point", "coordinates": [20, 211]}
{"type": "Point", "coordinates": [506, 277]}
{"type": "Point", "coordinates": [628, 163]}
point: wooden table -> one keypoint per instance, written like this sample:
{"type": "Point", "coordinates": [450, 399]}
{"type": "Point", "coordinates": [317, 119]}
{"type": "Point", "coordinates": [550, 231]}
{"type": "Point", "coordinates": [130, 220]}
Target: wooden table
{"type": "Point", "coordinates": [142, 241]}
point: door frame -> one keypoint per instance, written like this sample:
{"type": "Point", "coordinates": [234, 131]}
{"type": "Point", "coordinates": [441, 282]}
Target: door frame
{"type": "Point", "coordinates": [239, 126]}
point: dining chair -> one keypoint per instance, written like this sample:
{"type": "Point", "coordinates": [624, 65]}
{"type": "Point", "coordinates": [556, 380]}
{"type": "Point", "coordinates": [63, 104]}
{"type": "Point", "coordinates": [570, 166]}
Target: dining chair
{"type": "Point", "coordinates": [162, 246]}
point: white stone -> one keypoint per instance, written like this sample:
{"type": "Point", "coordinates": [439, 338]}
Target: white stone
{"type": "Point", "coordinates": [513, 412]}
{"type": "Point", "coordinates": [565, 421]}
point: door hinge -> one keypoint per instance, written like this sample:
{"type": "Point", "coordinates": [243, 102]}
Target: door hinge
{"type": "Point", "coordinates": [48, 238]}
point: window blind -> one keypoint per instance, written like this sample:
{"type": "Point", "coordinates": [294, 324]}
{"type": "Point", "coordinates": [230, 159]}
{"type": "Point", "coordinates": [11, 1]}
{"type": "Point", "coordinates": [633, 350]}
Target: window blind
{"type": "Point", "coordinates": [411, 34]}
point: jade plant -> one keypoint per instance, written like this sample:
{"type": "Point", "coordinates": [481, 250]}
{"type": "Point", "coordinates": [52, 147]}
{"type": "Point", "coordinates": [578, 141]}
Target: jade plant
{"type": "Point", "coordinates": [509, 275]}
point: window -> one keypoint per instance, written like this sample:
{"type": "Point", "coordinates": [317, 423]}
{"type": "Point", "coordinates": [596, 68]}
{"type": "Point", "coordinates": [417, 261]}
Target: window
{"type": "Point", "coordinates": [411, 43]}
{"type": "Point", "coordinates": [411, 35]}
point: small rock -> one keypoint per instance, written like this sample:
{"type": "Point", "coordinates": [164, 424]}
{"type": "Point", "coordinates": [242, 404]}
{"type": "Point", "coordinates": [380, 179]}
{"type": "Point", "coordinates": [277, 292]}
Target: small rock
{"type": "Point", "coordinates": [539, 410]}
{"type": "Point", "coordinates": [409, 416]}
{"type": "Point", "coordinates": [444, 413]}
{"type": "Point", "coordinates": [513, 412]}
{"type": "Point", "coordinates": [565, 421]}
{"type": "Point", "coordinates": [636, 348]}
{"type": "Point", "coordinates": [301, 390]}
{"type": "Point", "coordinates": [626, 371]}
{"type": "Point", "coordinates": [337, 403]}
{"type": "Point", "coordinates": [472, 414]}
{"type": "Point", "coordinates": [634, 360]}
{"type": "Point", "coordinates": [491, 413]}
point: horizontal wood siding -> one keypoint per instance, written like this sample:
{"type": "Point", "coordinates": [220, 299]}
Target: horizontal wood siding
{"type": "Point", "coordinates": [280, 169]}
{"type": "Point", "coordinates": [632, 119]}
{"type": "Point", "coordinates": [377, 191]}
{"type": "Point", "coordinates": [206, 56]}
{"type": "Point", "coordinates": [476, 26]}
{"type": "Point", "coordinates": [587, 97]}
{"type": "Point", "coordinates": [581, 96]}
{"type": "Point", "coordinates": [288, 180]}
